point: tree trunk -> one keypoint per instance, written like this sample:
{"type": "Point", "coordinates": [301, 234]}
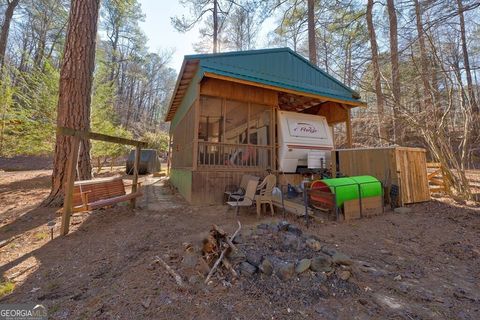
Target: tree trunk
{"type": "Point", "coordinates": [427, 92]}
{"type": "Point", "coordinates": [76, 77]}
{"type": "Point", "coordinates": [312, 47]}
{"type": "Point", "coordinates": [466, 61]}
{"type": "Point", "coordinates": [382, 131]}
{"type": "Point", "coordinates": [6, 29]}
{"type": "Point", "coordinates": [215, 26]}
{"type": "Point", "coordinates": [392, 15]}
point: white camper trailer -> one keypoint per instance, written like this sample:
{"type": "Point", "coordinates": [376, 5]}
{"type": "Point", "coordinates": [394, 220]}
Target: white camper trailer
{"type": "Point", "coordinates": [304, 140]}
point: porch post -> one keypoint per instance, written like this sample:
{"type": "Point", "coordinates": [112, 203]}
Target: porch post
{"type": "Point", "coordinates": [196, 125]}
{"type": "Point", "coordinates": [349, 129]}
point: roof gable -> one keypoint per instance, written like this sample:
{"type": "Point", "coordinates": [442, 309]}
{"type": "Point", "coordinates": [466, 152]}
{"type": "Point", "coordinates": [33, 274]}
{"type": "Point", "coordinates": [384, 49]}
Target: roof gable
{"type": "Point", "coordinates": [279, 67]}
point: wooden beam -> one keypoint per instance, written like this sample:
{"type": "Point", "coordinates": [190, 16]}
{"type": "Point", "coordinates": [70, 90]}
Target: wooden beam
{"type": "Point", "coordinates": [68, 195]}
{"type": "Point", "coordinates": [138, 150]}
{"type": "Point", "coordinates": [98, 136]}
{"type": "Point", "coordinates": [300, 93]}
{"type": "Point", "coordinates": [196, 126]}
{"type": "Point", "coordinates": [348, 123]}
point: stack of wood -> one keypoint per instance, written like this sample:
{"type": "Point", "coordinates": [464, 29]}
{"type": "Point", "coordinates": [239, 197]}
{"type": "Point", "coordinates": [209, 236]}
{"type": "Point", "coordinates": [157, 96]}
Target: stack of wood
{"type": "Point", "coordinates": [217, 246]}
{"type": "Point", "coordinates": [436, 178]}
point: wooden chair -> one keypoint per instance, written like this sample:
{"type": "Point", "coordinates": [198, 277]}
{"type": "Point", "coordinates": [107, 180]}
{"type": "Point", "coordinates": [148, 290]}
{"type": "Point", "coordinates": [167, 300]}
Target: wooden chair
{"type": "Point", "coordinates": [265, 196]}
{"type": "Point", "coordinates": [93, 194]}
{"type": "Point", "coordinates": [248, 198]}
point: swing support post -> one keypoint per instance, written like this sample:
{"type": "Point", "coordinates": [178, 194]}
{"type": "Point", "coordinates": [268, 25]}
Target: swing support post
{"type": "Point", "coordinates": [68, 200]}
{"type": "Point", "coordinates": [77, 136]}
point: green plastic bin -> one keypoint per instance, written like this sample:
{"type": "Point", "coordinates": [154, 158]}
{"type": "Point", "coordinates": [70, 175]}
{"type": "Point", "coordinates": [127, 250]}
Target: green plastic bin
{"type": "Point", "coordinates": [347, 188]}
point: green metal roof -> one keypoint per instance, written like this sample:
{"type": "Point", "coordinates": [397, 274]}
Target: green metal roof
{"type": "Point", "coordinates": [279, 67]}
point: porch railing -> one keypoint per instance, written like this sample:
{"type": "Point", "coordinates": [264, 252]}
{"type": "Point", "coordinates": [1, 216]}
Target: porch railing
{"type": "Point", "coordinates": [227, 155]}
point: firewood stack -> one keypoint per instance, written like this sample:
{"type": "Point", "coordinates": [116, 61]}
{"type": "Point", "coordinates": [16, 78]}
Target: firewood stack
{"type": "Point", "coordinates": [217, 246]}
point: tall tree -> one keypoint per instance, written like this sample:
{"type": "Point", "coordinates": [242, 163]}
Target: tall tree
{"type": "Point", "coordinates": [466, 60]}
{"type": "Point", "coordinates": [376, 73]}
{"type": "Point", "coordinates": [394, 60]}
{"type": "Point", "coordinates": [425, 70]}
{"type": "Point", "coordinates": [76, 78]}
{"type": "Point", "coordinates": [7, 20]}
{"type": "Point", "coordinates": [201, 8]}
{"type": "Point", "coordinates": [312, 47]}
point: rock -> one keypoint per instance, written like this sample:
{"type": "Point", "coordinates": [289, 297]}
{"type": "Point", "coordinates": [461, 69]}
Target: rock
{"type": "Point", "coordinates": [321, 277]}
{"type": "Point", "coordinates": [273, 226]}
{"type": "Point", "coordinates": [303, 265]}
{"type": "Point", "coordinates": [266, 267]}
{"type": "Point", "coordinates": [398, 278]}
{"type": "Point", "coordinates": [340, 258]}
{"type": "Point", "coordinates": [283, 225]}
{"type": "Point", "coordinates": [238, 239]}
{"type": "Point", "coordinates": [313, 244]}
{"type": "Point", "coordinates": [146, 302]}
{"type": "Point", "coordinates": [254, 258]}
{"type": "Point", "coordinates": [247, 269]}
{"type": "Point", "coordinates": [237, 257]}
{"type": "Point", "coordinates": [344, 275]}
{"type": "Point", "coordinates": [285, 270]}
{"type": "Point", "coordinates": [402, 210]}
{"type": "Point", "coordinates": [290, 241]}
{"type": "Point", "coordinates": [321, 263]}
{"type": "Point", "coordinates": [328, 250]}
{"type": "Point", "coordinates": [294, 229]}
{"type": "Point", "coordinates": [262, 226]}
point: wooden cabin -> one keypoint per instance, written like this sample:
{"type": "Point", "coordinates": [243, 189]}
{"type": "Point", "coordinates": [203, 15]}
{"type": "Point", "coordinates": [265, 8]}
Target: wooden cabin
{"type": "Point", "coordinates": [225, 105]}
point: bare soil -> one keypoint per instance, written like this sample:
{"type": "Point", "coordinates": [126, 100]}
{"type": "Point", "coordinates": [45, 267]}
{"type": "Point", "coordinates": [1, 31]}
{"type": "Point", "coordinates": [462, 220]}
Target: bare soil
{"type": "Point", "coordinates": [419, 265]}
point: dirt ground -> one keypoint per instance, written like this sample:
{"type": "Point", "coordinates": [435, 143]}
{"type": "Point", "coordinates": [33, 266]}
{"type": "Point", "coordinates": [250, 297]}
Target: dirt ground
{"type": "Point", "coordinates": [418, 265]}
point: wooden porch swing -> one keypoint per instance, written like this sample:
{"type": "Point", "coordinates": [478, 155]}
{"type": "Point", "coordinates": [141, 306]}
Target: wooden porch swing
{"type": "Point", "coordinates": [92, 194]}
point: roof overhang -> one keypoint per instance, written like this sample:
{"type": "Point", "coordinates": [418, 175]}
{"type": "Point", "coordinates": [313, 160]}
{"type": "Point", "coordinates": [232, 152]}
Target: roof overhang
{"type": "Point", "coordinates": [187, 72]}
{"type": "Point", "coordinates": [286, 90]}
{"type": "Point", "coordinates": [192, 65]}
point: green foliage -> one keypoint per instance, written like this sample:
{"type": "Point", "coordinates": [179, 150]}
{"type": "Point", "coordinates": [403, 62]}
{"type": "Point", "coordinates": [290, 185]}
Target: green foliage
{"type": "Point", "coordinates": [103, 121]}
{"type": "Point", "coordinates": [30, 111]}
{"type": "Point", "coordinates": [6, 288]}
{"type": "Point", "coordinates": [157, 140]}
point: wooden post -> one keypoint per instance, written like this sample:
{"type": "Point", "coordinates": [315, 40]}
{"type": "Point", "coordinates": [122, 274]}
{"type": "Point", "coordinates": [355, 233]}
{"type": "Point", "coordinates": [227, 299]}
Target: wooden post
{"type": "Point", "coordinates": [138, 150]}
{"type": "Point", "coordinates": [169, 155]}
{"type": "Point", "coordinates": [68, 196]}
{"type": "Point", "coordinates": [349, 129]}
{"type": "Point", "coordinates": [196, 125]}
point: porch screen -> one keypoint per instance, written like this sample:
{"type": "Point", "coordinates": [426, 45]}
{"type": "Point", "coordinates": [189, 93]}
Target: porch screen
{"type": "Point", "coordinates": [234, 133]}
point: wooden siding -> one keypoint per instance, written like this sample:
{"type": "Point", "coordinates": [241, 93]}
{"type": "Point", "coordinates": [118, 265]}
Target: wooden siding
{"type": "Point", "coordinates": [183, 141]}
{"type": "Point", "coordinates": [190, 96]}
{"type": "Point", "coordinates": [404, 167]}
{"type": "Point", "coordinates": [239, 92]}
{"type": "Point", "coordinates": [182, 180]}
{"type": "Point", "coordinates": [334, 112]}
{"type": "Point", "coordinates": [208, 186]}
{"type": "Point", "coordinates": [412, 171]}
